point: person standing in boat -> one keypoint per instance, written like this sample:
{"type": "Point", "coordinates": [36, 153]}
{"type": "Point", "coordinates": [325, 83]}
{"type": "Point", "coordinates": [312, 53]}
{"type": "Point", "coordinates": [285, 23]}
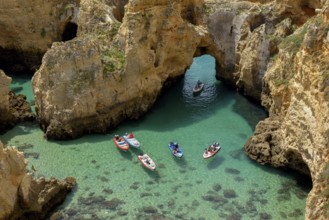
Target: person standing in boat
{"type": "Point", "coordinates": [199, 83]}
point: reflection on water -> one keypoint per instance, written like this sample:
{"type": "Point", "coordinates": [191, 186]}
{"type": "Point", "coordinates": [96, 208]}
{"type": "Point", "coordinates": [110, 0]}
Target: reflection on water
{"type": "Point", "coordinates": [113, 184]}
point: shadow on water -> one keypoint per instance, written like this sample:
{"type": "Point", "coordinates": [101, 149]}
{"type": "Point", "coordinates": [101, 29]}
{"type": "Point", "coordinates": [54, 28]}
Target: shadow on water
{"type": "Point", "coordinates": [126, 154]}
{"type": "Point", "coordinates": [153, 174]}
{"type": "Point", "coordinates": [180, 161]}
{"type": "Point", "coordinates": [249, 110]}
{"type": "Point", "coordinates": [19, 79]}
{"type": "Point", "coordinates": [179, 104]}
{"type": "Point", "coordinates": [136, 151]}
{"type": "Point", "coordinates": [184, 110]}
{"type": "Point", "coordinates": [90, 139]}
{"type": "Point", "coordinates": [22, 128]}
{"type": "Point", "coordinates": [215, 162]}
{"type": "Point", "coordinates": [297, 179]}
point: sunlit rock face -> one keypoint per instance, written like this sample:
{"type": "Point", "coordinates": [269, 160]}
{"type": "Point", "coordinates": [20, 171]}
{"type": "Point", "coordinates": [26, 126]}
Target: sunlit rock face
{"type": "Point", "coordinates": [276, 52]}
{"type": "Point", "coordinates": [247, 33]}
{"type": "Point", "coordinates": [125, 52]}
{"type": "Point", "coordinates": [22, 196]}
{"type": "Point", "coordinates": [295, 92]}
{"type": "Point", "coordinates": [115, 71]}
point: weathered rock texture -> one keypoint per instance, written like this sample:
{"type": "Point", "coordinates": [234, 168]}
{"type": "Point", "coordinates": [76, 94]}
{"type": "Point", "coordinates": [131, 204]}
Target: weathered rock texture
{"type": "Point", "coordinates": [23, 197]}
{"type": "Point", "coordinates": [295, 92]}
{"type": "Point", "coordinates": [28, 29]}
{"type": "Point", "coordinates": [101, 78]}
{"type": "Point", "coordinates": [13, 108]}
{"type": "Point", "coordinates": [6, 116]}
{"type": "Point", "coordinates": [275, 52]}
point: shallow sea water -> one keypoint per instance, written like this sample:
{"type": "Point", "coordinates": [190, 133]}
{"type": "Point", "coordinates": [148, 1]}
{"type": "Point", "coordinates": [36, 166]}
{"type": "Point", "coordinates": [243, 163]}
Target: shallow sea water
{"type": "Point", "coordinates": [113, 184]}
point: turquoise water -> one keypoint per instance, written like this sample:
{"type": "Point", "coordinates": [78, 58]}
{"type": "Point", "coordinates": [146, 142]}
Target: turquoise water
{"type": "Point", "coordinates": [22, 85]}
{"type": "Point", "coordinates": [113, 184]}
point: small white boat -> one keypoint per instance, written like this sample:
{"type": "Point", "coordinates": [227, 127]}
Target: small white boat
{"type": "Point", "coordinates": [146, 161]}
{"type": "Point", "coordinates": [211, 151]}
{"type": "Point", "coordinates": [198, 88]}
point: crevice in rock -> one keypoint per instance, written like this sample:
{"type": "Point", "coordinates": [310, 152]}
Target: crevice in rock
{"type": "Point", "coordinates": [189, 14]}
{"type": "Point", "coordinates": [119, 8]}
{"type": "Point", "coordinates": [256, 21]}
{"type": "Point", "coordinates": [70, 31]}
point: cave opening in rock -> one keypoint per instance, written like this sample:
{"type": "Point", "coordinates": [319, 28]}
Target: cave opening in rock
{"type": "Point", "coordinates": [70, 31]}
{"type": "Point", "coordinates": [19, 62]}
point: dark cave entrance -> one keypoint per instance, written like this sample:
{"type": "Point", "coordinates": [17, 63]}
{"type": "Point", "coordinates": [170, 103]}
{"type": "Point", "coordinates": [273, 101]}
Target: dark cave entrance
{"type": "Point", "coordinates": [19, 62]}
{"type": "Point", "coordinates": [70, 31]}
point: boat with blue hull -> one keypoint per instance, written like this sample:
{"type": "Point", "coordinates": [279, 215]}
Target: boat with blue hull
{"type": "Point", "coordinates": [175, 149]}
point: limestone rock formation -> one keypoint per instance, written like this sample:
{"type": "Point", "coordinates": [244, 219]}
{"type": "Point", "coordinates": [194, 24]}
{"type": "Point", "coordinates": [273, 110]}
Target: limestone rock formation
{"type": "Point", "coordinates": [23, 197]}
{"type": "Point", "coordinates": [28, 29]}
{"type": "Point", "coordinates": [13, 108]}
{"type": "Point", "coordinates": [275, 52]}
{"type": "Point", "coordinates": [100, 78]}
{"type": "Point", "coordinates": [6, 116]}
{"type": "Point", "coordinates": [295, 91]}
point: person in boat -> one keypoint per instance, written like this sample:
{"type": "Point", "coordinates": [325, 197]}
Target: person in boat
{"type": "Point", "coordinates": [198, 84]}
{"type": "Point", "coordinates": [131, 135]}
{"type": "Point", "coordinates": [176, 147]}
{"type": "Point", "coordinates": [211, 148]}
{"type": "Point", "coordinates": [117, 137]}
{"type": "Point", "coordinates": [206, 150]}
{"type": "Point", "coordinates": [146, 159]}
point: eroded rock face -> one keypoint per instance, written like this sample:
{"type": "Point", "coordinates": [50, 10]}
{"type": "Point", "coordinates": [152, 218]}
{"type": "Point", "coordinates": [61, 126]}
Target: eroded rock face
{"type": "Point", "coordinates": [248, 35]}
{"type": "Point", "coordinates": [23, 197]}
{"type": "Point", "coordinates": [25, 38]}
{"type": "Point", "coordinates": [99, 79]}
{"type": "Point", "coordinates": [284, 67]}
{"type": "Point", "coordinates": [13, 108]}
{"type": "Point", "coordinates": [295, 91]}
{"type": "Point", "coordinates": [6, 117]}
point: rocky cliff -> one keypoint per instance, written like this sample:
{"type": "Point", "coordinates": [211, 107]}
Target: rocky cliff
{"type": "Point", "coordinates": [22, 196]}
{"type": "Point", "coordinates": [114, 71]}
{"type": "Point", "coordinates": [28, 29]}
{"type": "Point", "coordinates": [275, 52]}
{"type": "Point", "coordinates": [295, 92]}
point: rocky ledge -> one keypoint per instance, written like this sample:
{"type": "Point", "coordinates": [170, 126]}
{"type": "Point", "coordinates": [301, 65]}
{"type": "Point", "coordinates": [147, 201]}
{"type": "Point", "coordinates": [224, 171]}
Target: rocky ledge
{"type": "Point", "coordinates": [14, 108]}
{"type": "Point", "coordinates": [114, 71]}
{"type": "Point", "coordinates": [22, 196]}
